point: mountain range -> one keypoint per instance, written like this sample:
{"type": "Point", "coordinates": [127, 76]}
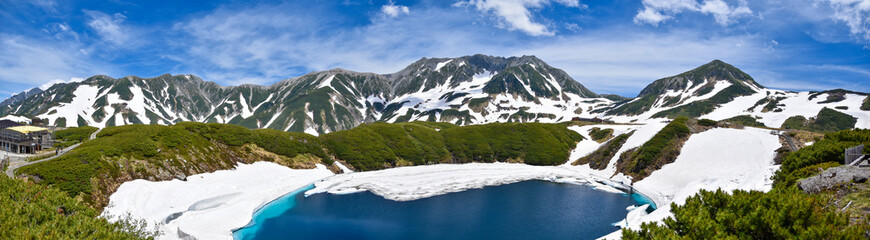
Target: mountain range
{"type": "Point", "coordinates": [465, 90]}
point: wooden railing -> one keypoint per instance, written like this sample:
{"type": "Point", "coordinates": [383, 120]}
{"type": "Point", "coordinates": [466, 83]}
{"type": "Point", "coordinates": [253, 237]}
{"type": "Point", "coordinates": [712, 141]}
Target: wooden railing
{"type": "Point", "coordinates": [853, 153]}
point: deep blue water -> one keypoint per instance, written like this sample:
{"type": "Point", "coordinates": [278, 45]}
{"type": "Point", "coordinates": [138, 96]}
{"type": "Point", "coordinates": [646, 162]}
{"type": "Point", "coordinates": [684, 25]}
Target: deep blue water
{"type": "Point", "coordinates": [525, 210]}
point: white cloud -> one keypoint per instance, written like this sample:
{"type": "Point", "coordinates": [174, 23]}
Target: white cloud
{"type": "Point", "coordinates": [617, 61]}
{"type": "Point", "coordinates": [108, 26]}
{"type": "Point", "coordinates": [850, 69]}
{"type": "Point", "coordinates": [657, 11]}
{"type": "Point", "coordinates": [855, 13]}
{"type": "Point", "coordinates": [248, 46]}
{"type": "Point", "coordinates": [517, 14]}
{"type": "Point", "coordinates": [33, 62]}
{"type": "Point", "coordinates": [56, 81]}
{"type": "Point", "coordinates": [393, 10]}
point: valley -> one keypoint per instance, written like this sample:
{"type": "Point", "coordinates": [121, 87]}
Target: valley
{"type": "Point", "coordinates": [436, 127]}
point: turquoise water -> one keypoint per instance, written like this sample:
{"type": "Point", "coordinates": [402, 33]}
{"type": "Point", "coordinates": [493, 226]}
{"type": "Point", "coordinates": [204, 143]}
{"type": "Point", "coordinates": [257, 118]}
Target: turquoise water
{"type": "Point", "coordinates": [525, 210]}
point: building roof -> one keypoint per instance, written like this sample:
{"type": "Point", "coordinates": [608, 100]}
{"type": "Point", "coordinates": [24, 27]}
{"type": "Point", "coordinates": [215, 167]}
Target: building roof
{"type": "Point", "coordinates": [27, 129]}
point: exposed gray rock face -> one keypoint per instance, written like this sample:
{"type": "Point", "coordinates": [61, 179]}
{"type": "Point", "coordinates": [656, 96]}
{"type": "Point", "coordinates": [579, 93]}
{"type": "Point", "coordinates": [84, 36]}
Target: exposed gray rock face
{"type": "Point", "coordinates": [833, 177]}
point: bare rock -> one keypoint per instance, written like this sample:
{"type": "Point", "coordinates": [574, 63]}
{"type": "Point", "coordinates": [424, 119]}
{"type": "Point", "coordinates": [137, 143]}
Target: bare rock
{"type": "Point", "coordinates": [833, 177]}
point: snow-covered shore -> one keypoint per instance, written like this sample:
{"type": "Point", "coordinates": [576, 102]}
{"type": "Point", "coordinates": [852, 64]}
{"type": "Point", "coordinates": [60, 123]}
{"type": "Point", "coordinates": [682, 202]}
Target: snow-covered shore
{"type": "Point", "coordinates": [411, 183]}
{"type": "Point", "coordinates": [210, 205]}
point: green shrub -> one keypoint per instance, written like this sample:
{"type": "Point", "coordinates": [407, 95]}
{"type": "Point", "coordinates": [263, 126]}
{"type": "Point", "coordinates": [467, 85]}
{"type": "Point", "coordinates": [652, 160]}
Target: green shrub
{"type": "Point", "coordinates": [533, 143]}
{"type": "Point", "coordinates": [745, 120]}
{"type": "Point", "coordinates": [70, 136]}
{"type": "Point", "coordinates": [664, 147]}
{"type": "Point", "coordinates": [827, 120]}
{"type": "Point", "coordinates": [161, 145]}
{"type": "Point", "coordinates": [794, 122]}
{"type": "Point", "coordinates": [380, 145]}
{"type": "Point", "coordinates": [32, 211]}
{"type": "Point", "coordinates": [707, 122]}
{"type": "Point", "coordinates": [830, 148]}
{"type": "Point", "coordinates": [598, 134]}
{"type": "Point", "coordinates": [653, 148]}
{"type": "Point", "coordinates": [751, 215]}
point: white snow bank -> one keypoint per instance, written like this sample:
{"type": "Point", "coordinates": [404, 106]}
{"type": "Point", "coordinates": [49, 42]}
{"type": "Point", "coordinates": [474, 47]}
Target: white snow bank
{"type": "Point", "coordinates": [723, 158]}
{"type": "Point", "coordinates": [588, 146]}
{"type": "Point", "coordinates": [17, 119]}
{"type": "Point", "coordinates": [416, 182]}
{"type": "Point", "coordinates": [210, 205]}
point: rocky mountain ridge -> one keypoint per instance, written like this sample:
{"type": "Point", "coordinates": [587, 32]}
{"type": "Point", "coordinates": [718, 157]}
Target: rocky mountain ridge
{"type": "Point", "coordinates": [465, 90]}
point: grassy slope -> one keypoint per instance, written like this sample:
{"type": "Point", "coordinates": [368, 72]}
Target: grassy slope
{"type": "Point", "coordinates": [380, 145]}
{"type": "Point", "coordinates": [601, 157]}
{"type": "Point", "coordinates": [94, 170]}
{"type": "Point", "coordinates": [662, 149]}
{"type": "Point", "coordinates": [97, 167]}
{"type": "Point", "coordinates": [744, 120]}
{"type": "Point", "coordinates": [827, 120]}
{"type": "Point", "coordinates": [784, 212]}
{"type": "Point", "coordinates": [600, 135]}
{"type": "Point", "coordinates": [698, 108]}
{"type": "Point", "coordinates": [71, 136]}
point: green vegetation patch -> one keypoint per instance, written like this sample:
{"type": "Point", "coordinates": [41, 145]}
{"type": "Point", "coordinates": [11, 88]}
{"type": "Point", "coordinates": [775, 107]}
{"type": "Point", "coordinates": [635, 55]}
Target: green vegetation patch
{"type": "Point", "coordinates": [151, 151]}
{"type": "Point", "coordinates": [600, 135]}
{"type": "Point", "coordinates": [707, 122]}
{"type": "Point", "coordinates": [698, 108]}
{"type": "Point", "coordinates": [827, 120]}
{"type": "Point", "coordinates": [601, 157]}
{"type": "Point", "coordinates": [31, 211]}
{"type": "Point", "coordinates": [380, 145]}
{"type": "Point", "coordinates": [745, 120]}
{"type": "Point", "coordinates": [866, 105]}
{"type": "Point", "coordinates": [662, 149]}
{"type": "Point", "coordinates": [530, 143]}
{"type": "Point", "coordinates": [751, 215]}
{"type": "Point", "coordinates": [811, 159]}
{"type": "Point", "coordinates": [70, 136]}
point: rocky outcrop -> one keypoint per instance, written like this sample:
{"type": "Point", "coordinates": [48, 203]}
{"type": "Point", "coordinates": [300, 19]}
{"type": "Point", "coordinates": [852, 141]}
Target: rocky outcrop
{"type": "Point", "coordinates": [833, 178]}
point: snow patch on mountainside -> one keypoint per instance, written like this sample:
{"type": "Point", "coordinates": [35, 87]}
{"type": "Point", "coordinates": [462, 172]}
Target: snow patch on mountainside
{"type": "Point", "coordinates": [686, 97]}
{"type": "Point", "coordinates": [441, 65]}
{"type": "Point", "coordinates": [724, 158]}
{"type": "Point", "coordinates": [81, 105]}
{"type": "Point", "coordinates": [793, 104]}
{"type": "Point", "coordinates": [18, 119]}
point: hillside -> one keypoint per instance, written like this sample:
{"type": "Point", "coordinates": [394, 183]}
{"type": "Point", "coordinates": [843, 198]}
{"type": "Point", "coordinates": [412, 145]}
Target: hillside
{"type": "Point", "coordinates": [691, 93]}
{"type": "Point", "coordinates": [31, 211]}
{"type": "Point", "coordinates": [785, 212]}
{"type": "Point", "coordinates": [720, 91]}
{"type": "Point", "coordinates": [94, 170]}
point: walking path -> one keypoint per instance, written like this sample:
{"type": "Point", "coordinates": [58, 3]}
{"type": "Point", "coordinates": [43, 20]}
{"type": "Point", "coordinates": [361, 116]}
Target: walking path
{"type": "Point", "coordinates": [18, 162]}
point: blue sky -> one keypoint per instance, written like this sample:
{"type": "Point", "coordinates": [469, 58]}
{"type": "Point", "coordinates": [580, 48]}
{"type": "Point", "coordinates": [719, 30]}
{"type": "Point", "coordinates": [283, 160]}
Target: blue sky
{"type": "Point", "coordinates": [609, 46]}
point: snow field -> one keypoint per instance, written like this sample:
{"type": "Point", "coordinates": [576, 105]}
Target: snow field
{"type": "Point", "coordinates": [210, 205]}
